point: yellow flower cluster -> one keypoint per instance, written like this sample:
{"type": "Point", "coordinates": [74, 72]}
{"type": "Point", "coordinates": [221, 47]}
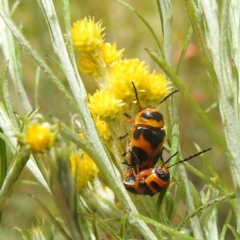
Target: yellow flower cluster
{"type": "Point", "coordinates": [114, 77]}
{"type": "Point", "coordinates": [84, 169]}
{"type": "Point", "coordinates": [87, 37]}
{"type": "Point", "coordinates": [111, 102]}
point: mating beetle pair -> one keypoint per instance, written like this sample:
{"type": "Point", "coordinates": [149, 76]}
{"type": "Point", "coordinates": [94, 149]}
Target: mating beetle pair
{"type": "Point", "coordinates": [145, 149]}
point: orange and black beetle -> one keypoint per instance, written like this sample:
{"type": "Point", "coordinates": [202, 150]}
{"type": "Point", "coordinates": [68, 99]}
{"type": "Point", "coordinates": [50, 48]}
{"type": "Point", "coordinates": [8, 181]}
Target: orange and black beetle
{"type": "Point", "coordinates": [153, 180]}
{"type": "Point", "coordinates": [147, 137]}
{"type": "Point", "coordinates": [147, 182]}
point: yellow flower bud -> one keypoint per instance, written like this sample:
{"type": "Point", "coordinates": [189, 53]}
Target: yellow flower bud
{"type": "Point", "coordinates": [38, 137]}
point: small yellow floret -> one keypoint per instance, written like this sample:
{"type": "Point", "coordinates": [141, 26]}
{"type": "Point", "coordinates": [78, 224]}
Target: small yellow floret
{"type": "Point", "coordinates": [84, 169]}
{"type": "Point", "coordinates": [104, 106]}
{"type": "Point", "coordinates": [38, 137]}
{"type": "Point", "coordinates": [87, 35]}
{"type": "Point", "coordinates": [86, 64]}
{"type": "Point", "coordinates": [110, 53]}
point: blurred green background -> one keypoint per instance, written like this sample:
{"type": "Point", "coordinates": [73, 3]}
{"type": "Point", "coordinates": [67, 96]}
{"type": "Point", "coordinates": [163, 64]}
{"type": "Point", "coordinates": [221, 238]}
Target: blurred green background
{"type": "Point", "coordinates": [124, 28]}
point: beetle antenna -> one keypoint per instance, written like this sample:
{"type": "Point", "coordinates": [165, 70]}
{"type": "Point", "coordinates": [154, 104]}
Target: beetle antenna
{"type": "Point", "coordinates": [188, 158]}
{"type": "Point", "coordinates": [169, 95]}
{"type": "Point", "coordinates": [136, 94]}
{"type": "Point", "coordinates": [170, 158]}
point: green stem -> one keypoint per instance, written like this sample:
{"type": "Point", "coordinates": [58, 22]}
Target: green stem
{"type": "Point", "coordinates": [13, 174]}
{"type": "Point", "coordinates": [145, 23]}
{"type": "Point", "coordinates": [184, 50]}
{"type": "Point", "coordinates": [3, 160]}
{"type": "Point", "coordinates": [200, 209]}
{"type": "Point", "coordinates": [41, 166]}
{"type": "Point", "coordinates": [9, 50]}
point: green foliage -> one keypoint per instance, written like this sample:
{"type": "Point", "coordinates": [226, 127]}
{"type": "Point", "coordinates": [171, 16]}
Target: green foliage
{"type": "Point", "coordinates": [185, 211]}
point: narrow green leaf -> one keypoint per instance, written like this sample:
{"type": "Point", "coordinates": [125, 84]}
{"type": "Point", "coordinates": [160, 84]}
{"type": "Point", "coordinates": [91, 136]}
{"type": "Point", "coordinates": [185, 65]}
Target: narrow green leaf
{"type": "Point", "coordinates": [169, 205]}
{"type": "Point", "coordinates": [160, 13]}
{"type": "Point", "coordinates": [19, 162]}
{"type": "Point", "coordinates": [54, 62]}
{"type": "Point", "coordinates": [3, 164]}
{"type": "Point", "coordinates": [65, 193]}
{"type": "Point", "coordinates": [52, 218]}
{"type": "Point", "coordinates": [14, 8]}
{"type": "Point", "coordinates": [212, 170]}
{"type": "Point", "coordinates": [205, 178]}
{"type": "Point", "coordinates": [123, 226]}
{"type": "Point", "coordinates": [199, 34]}
{"type": "Point", "coordinates": [9, 50]}
{"type": "Point", "coordinates": [169, 230]}
{"type": "Point", "coordinates": [6, 97]}
{"type": "Point", "coordinates": [208, 217]}
{"type": "Point", "coordinates": [144, 21]}
{"type": "Point", "coordinates": [210, 224]}
{"type": "Point", "coordinates": [41, 166]}
{"type": "Point", "coordinates": [225, 226]}
{"type": "Point", "coordinates": [166, 17]}
{"type": "Point", "coordinates": [95, 226]}
{"type": "Point", "coordinates": [26, 45]}
{"type": "Point", "coordinates": [8, 129]}
{"type": "Point", "coordinates": [7, 142]}
{"type": "Point", "coordinates": [147, 206]}
{"type": "Point", "coordinates": [184, 50]}
{"type": "Point", "coordinates": [36, 87]}
{"type": "Point", "coordinates": [111, 231]}
{"type": "Point", "coordinates": [189, 201]}
{"type": "Point", "coordinates": [3, 160]}
{"type": "Point", "coordinates": [234, 231]}
{"type": "Point", "coordinates": [220, 199]}
{"type": "Point", "coordinates": [67, 23]}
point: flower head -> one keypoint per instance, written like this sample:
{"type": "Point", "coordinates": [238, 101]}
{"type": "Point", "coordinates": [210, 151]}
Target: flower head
{"type": "Point", "coordinates": [87, 35]}
{"type": "Point", "coordinates": [123, 73]}
{"type": "Point", "coordinates": [38, 137]}
{"type": "Point", "coordinates": [83, 168]}
{"type": "Point", "coordinates": [104, 105]}
{"type": "Point", "coordinates": [151, 88]}
{"type": "Point", "coordinates": [110, 53]}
